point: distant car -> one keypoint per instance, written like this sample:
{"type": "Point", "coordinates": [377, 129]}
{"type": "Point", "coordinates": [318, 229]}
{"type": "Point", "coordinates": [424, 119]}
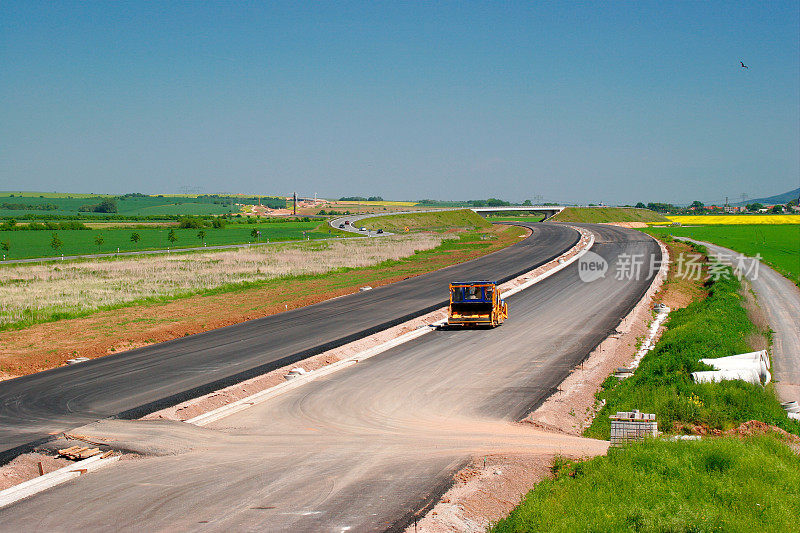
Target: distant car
{"type": "Point", "coordinates": [341, 226]}
{"type": "Point", "coordinates": [346, 222]}
{"type": "Point", "coordinates": [380, 231]}
{"type": "Point", "coordinates": [363, 228]}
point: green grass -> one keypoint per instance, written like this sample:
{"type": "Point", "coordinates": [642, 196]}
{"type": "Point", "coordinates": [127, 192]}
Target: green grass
{"type": "Point", "coordinates": [724, 484]}
{"type": "Point", "coordinates": [716, 326]}
{"type": "Point", "coordinates": [608, 214]}
{"type": "Point", "coordinates": [436, 221]}
{"type": "Point", "coordinates": [25, 244]}
{"type": "Point", "coordinates": [779, 245]}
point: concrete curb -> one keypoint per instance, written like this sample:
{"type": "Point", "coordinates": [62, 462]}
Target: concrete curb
{"type": "Point", "coordinates": [263, 396]}
{"type": "Point", "coordinates": [56, 477]}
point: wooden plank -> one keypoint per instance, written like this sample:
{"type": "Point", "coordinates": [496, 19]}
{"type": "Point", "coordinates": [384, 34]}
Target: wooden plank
{"type": "Point", "coordinates": [88, 452]}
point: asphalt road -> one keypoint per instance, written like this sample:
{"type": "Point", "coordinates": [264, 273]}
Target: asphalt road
{"type": "Point", "coordinates": [134, 383]}
{"type": "Point", "coordinates": [361, 449]}
{"type": "Point", "coordinates": [780, 299]}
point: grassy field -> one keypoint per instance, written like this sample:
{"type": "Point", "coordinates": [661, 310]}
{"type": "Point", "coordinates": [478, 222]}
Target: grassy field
{"type": "Point", "coordinates": [608, 214]}
{"type": "Point", "coordinates": [463, 219]}
{"type": "Point", "coordinates": [724, 484]}
{"type": "Point", "coordinates": [152, 205]}
{"type": "Point", "coordinates": [94, 333]}
{"type": "Point", "coordinates": [28, 243]}
{"type": "Point", "coordinates": [735, 219]}
{"type": "Point", "coordinates": [779, 245]}
{"type": "Point", "coordinates": [69, 204]}
{"type": "Point", "coordinates": [40, 292]}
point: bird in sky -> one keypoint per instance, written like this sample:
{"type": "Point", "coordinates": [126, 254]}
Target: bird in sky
{"type": "Point", "coordinates": [743, 65]}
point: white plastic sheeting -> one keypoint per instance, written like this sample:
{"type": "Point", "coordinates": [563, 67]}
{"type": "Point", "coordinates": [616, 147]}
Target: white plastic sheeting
{"type": "Point", "coordinates": [752, 367]}
{"type": "Point", "coordinates": [792, 409]}
{"type": "Point", "coordinates": [649, 341]}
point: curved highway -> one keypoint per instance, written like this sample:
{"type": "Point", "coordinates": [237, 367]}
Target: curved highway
{"type": "Point", "coordinates": [364, 448]}
{"type": "Point", "coordinates": [134, 383]}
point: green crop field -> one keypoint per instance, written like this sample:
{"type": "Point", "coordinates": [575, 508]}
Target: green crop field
{"type": "Point", "coordinates": [69, 204]}
{"type": "Point", "coordinates": [779, 245]}
{"type": "Point", "coordinates": [25, 244]}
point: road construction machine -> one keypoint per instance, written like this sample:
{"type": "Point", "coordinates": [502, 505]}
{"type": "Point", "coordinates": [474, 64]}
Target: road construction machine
{"type": "Point", "coordinates": [476, 303]}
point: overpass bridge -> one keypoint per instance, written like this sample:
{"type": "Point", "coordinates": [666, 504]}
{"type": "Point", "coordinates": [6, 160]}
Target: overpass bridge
{"type": "Point", "coordinates": [548, 210]}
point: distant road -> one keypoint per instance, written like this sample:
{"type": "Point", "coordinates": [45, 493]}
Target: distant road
{"type": "Point", "coordinates": [133, 383]}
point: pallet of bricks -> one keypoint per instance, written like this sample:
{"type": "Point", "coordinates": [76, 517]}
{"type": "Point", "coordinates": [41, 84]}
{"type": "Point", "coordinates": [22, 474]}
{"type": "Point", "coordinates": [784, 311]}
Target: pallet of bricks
{"type": "Point", "coordinates": [632, 426]}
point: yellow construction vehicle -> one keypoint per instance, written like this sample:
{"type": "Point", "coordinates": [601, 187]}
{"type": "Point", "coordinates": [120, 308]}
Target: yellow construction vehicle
{"type": "Point", "coordinates": [476, 303]}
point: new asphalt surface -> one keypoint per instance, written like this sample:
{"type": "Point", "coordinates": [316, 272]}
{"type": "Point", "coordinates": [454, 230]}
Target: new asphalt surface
{"type": "Point", "coordinates": [366, 447]}
{"type": "Point", "coordinates": [131, 384]}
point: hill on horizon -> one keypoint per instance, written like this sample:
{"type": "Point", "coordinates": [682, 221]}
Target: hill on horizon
{"type": "Point", "coordinates": [777, 199]}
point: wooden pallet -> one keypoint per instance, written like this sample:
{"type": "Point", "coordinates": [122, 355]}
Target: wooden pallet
{"type": "Point", "coordinates": [79, 452]}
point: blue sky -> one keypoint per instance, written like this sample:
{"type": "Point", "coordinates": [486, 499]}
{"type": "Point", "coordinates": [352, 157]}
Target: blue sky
{"type": "Point", "coordinates": [587, 102]}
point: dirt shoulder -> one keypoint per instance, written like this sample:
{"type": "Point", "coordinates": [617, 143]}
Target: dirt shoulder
{"type": "Point", "coordinates": [48, 345]}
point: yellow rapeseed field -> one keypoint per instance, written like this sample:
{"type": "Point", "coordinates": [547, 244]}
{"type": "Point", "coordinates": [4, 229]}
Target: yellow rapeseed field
{"type": "Point", "coordinates": [735, 219]}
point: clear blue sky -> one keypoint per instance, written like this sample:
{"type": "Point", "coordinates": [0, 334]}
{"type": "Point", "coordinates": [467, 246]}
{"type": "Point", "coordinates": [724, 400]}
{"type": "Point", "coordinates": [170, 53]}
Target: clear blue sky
{"type": "Point", "coordinates": [589, 102]}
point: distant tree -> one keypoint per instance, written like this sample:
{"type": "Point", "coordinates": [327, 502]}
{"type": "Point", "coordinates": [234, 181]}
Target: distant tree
{"type": "Point", "coordinates": [5, 245]}
{"type": "Point", "coordinates": [777, 209]}
{"type": "Point", "coordinates": [697, 204]}
{"type": "Point", "coordinates": [135, 237]}
{"type": "Point", "coordinates": [55, 242]}
{"type": "Point", "coordinates": [202, 236]}
{"type": "Point", "coordinates": [218, 223]}
{"type": "Point", "coordinates": [171, 236]}
{"type": "Point", "coordinates": [255, 233]}
{"type": "Point", "coordinates": [190, 223]}
{"type": "Point", "coordinates": [661, 207]}
{"type": "Point", "coordinates": [641, 205]}
{"type": "Point", "coordinates": [527, 202]}
{"type": "Point", "coordinates": [99, 241]}
{"type": "Point", "coordinates": [375, 199]}
{"type": "Point", "coordinates": [109, 205]}
{"type": "Point", "coordinates": [754, 206]}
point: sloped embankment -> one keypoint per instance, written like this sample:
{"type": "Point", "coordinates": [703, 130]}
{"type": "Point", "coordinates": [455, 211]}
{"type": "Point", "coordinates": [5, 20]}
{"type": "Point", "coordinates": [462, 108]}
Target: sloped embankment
{"type": "Point", "coordinates": [463, 219]}
{"type": "Point", "coordinates": [608, 214]}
